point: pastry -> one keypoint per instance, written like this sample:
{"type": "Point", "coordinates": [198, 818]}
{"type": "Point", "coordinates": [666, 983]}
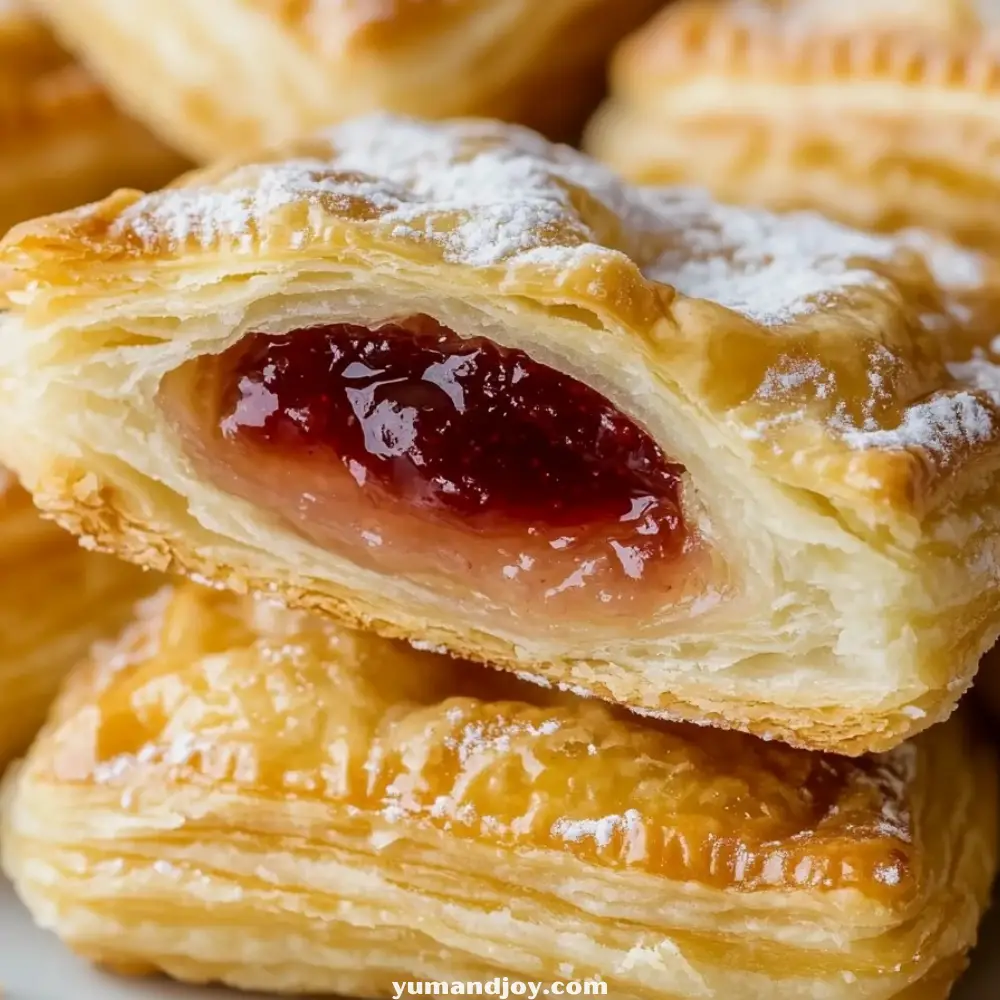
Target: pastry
{"type": "Point", "coordinates": [880, 114]}
{"type": "Point", "coordinates": [244, 794]}
{"type": "Point", "coordinates": [63, 141]}
{"type": "Point", "coordinates": [55, 600]}
{"type": "Point", "coordinates": [269, 70]}
{"type": "Point", "coordinates": [461, 386]}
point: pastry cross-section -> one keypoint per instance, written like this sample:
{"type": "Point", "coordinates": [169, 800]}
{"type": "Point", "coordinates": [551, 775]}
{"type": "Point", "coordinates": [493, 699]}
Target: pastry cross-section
{"type": "Point", "coordinates": [461, 386]}
{"type": "Point", "coordinates": [236, 74]}
{"type": "Point", "coordinates": [55, 600]}
{"type": "Point", "coordinates": [239, 793]}
{"type": "Point", "coordinates": [63, 142]}
{"type": "Point", "coordinates": [880, 114]}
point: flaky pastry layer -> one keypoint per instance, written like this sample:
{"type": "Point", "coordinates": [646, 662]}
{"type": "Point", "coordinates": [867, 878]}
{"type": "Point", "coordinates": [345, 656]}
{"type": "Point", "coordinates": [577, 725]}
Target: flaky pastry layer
{"type": "Point", "coordinates": [236, 792]}
{"type": "Point", "coordinates": [832, 397]}
{"type": "Point", "coordinates": [63, 141]}
{"type": "Point", "coordinates": [879, 114]}
{"type": "Point", "coordinates": [55, 600]}
{"type": "Point", "coordinates": [236, 74]}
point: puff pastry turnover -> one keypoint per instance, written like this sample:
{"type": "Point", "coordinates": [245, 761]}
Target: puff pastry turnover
{"type": "Point", "coordinates": [55, 600]}
{"type": "Point", "coordinates": [240, 793]}
{"type": "Point", "coordinates": [881, 114]}
{"type": "Point", "coordinates": [464, 387]}
{"type": "Point", "coordinates": [236, 74]}
{"type": "Point", "coordinates": [63, 142]}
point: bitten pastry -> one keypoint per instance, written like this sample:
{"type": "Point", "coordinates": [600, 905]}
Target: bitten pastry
{"type": "Point", "coordinates": [244, 794]}
{"type": "Point", "coordinates": [55, 600]}
{"type": "Point", "coordinates": [213, 79]}
{"type": "Point", "coordinates": [881, 114]}
{"type": "Point", "coordinates": [462, 386]}
{"type": "Point", "coordinates": [62, 142]}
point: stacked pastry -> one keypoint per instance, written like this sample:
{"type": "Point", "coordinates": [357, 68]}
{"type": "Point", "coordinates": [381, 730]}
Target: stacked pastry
{"type": "Point", "coordinates": [61, 142]}
{"type": "Point", "coordinates": [880, 114]}
{"type": "Point", "coordinates": [64, 141]}
{"type": "Point", "coordinates": [459, 386]}
{"type": "Point", "coordinates": [595, 569]}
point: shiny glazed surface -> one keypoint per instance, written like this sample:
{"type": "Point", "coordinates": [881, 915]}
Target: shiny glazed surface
{"type": "Point", "coordinates": [412, 450]}
{"type": "Point", "coordinates": [216, 692]}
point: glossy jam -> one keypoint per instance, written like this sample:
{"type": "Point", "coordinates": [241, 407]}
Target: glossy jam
{"type": "Point", "coordinates": [422, 452]}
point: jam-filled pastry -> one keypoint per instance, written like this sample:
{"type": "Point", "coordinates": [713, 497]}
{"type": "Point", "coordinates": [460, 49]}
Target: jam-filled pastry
{"type": "Point", "coordinates": [270, 70]}
{"type": "Point", "coordinates": [62, 141]}
{"type": "Point", "coordinates": [879, 113]}
{"type": "Point", "coordinates": [55, 600]}
{"type": "Point", "coordinates": [461, 386]}
{"type": "Point", "coordinates": [239, 793]}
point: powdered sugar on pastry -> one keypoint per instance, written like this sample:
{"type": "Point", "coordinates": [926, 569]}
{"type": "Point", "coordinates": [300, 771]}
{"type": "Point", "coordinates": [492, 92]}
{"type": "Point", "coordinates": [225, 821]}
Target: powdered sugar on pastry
{"type": "Point", "coordinates": [979, 373]}
{"type": "Point", "coordinates": [487, 195]}
{"type": "Point", "coordinates": [771, 268]}
{"type": "Point", "coordinates": [937, 425]}
{"type": "Point", "coordinates": [480, 197]}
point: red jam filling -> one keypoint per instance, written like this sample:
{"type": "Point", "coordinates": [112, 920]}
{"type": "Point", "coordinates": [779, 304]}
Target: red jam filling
{"type": "Point", "coordinates": [418, 452]}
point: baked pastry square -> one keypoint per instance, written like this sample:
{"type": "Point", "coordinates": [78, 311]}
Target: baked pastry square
{"type": "Point", "coordinates": [465, 387]}
{"type": "Point", "coordinates": [55, 600]}
{"type": "Point", "coordinates": [63, 142]}
{"type": "Point", "coordinates": [213, 78]}
{"type": "Point", "coordinates": [240, 793]}
{"type": "Point", "coordinates": [880, 114]}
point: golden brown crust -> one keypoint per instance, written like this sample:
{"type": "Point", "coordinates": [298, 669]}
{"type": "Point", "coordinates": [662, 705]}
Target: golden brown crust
{"type": "Point", "coordinates": [613, 251]}
{"type": "Point", "coordinates": [226, 734]}
{"type": "Point", "coordinates": [55, 600]}
{"type": "Point", "coordinates": [879, 116]}
{"type": "Point", "coordinates": [270, 69]}
{"type": "Point", "coordinates": [63, 140]}
{"type": "Point", "coordinates": [832, 395]}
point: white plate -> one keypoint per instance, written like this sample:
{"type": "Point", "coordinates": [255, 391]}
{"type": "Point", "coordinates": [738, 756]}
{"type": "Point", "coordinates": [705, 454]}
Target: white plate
{"type": "Point", "coordinates": [34, 967]}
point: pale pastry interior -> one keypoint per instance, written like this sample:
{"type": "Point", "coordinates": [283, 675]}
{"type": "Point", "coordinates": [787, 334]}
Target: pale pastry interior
{"type": "Point", "coordinates": [55, 600]}
{"type": "Point", "coordinates": [237, 793]}
{"type": "Point", "coordinates": [878, 114]}
{"type": "Point", "coordinates": [806, 418]}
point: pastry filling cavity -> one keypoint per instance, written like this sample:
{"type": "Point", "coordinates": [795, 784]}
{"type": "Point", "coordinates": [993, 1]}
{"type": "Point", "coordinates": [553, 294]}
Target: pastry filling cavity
{"type": "Point", "coordinates": [421, 454]}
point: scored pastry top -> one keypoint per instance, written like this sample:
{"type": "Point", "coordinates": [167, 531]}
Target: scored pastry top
{"type": "Point", "coordinates": [954, 15]}
{"type": "Point", "coordinates": [225, 694]}
{"type": "Point", "coordinates": [853, 365]}
{"type": "Point", "coordinates": [932, 43]}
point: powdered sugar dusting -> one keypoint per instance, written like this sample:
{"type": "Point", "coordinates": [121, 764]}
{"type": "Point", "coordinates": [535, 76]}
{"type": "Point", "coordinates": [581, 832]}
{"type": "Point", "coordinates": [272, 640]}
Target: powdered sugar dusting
{"type": "Point", "coordinates": [978, 373]}
{"type": "Point", "coordinates": [486, 193]}
{"type": "Point", "coordinates": [937, 425]}
{"type": "Point", "coordinates": [483, 192]}
{"type": "Point", "coordinates": [771, 268]}
{"type": "Point", "coordinates": [601, 831]}
{"type": "Point", "coordinates": [478, 739]}
{"type": "Point", "coordinates": [951, 266]}
{"type": "Point", "coordinates": [892, 779]}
